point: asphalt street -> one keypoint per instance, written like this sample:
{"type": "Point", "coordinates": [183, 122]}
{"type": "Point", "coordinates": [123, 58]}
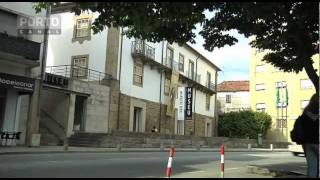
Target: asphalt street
{"type": "Point", "coordinates": [138, 164]}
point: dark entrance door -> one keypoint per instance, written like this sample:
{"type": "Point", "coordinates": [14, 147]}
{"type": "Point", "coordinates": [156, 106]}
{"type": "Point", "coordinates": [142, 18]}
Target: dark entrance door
{"type": "Point", "coordinates": [2, 105]}
{"type": "Point", "coordinates": [137, 120]}
{"type": "Point", "coordinates": [79, 113]}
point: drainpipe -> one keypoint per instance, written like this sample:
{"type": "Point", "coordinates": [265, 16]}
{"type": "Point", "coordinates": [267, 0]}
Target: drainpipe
{"type": "Point", "coordinates": [161, 89]}
{"type": "Point", "coordinates": [195, 97]}
{"type": "Point", "coordinates": [216, 107]}
{"type": "Point", "coordinates": [118, 121]}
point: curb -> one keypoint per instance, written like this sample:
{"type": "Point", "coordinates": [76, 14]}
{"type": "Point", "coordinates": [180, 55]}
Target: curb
{"type": "Point", "coordinates": [268, 172]}
{"type": "Point", "coordinates": [137, 150]}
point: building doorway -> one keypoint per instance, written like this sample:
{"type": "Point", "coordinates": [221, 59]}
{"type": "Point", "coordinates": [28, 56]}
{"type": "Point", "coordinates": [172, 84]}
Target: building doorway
{"type": "Point", "coordinates": [2, 106]}
{"type": "Point", "coordinates": [180, 127]}
{"type": "Point", "coordinates": [79, 113]}
{"type": "Point", "coordinates": [137, 119]}
{"type": "Point", "coordinates": [208, 129]}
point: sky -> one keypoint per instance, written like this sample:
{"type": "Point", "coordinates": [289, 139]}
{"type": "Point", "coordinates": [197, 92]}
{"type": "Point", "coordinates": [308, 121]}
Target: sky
{"type": "Point", "coordinates": [232, 60]}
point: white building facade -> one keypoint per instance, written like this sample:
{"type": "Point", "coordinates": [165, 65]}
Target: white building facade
{"type": "Point", "coordinates": [141, 76]}
{"type": "Point", "coordinates": [233, 96]}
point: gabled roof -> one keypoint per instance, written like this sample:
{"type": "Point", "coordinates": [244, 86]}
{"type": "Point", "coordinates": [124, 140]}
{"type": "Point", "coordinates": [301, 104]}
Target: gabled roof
{"type": "Point", "coordinates": [233, 86]}
{"type": "Point", "coordinates": [202, 56]}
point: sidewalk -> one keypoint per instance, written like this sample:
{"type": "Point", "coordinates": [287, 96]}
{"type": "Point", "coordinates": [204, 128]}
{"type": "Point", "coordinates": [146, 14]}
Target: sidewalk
{"type": "Point", "coordinates": [71, 149]}
{"type": "Point", "coordinates": [291, 170]}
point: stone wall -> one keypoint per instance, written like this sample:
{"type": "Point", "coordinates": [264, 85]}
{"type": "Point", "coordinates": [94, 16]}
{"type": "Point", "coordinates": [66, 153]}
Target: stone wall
{"type": "Point", "coordinates": [180, 141]}
{"type": "Point", "coordinates": [153, 117]}
{"type": "Point", "coordinates": [97, 106]}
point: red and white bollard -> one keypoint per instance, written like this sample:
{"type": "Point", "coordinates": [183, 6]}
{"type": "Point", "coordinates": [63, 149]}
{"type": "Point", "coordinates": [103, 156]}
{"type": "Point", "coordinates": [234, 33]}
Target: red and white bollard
{"type": "Point", "coordinates": [222, 160]}
{"type": "Point", "coordinates": [169, 165]}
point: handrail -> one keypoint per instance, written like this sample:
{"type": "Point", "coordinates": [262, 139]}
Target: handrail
{"type": "Point", "coordinates": [77, 72]}
{"type": "Point", "coordinates": [53, 120]}
{"type": "Point", "coordinates": [140, 47]}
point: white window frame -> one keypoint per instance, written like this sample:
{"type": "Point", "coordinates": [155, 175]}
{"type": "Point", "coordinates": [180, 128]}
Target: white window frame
{"type": "Point", "coordinates": [260, 68]}
{"type": "Point", "coordinates": [80, 70]}
{"type": "Point", "coordinates": [137, 74]}
{"type": "Point", "coordinates": [281, 84]}
{"type": "Point", "coordinates": [228, 95]}
{"type": "Point", "coordinates": [260, 87]}
{"type": "Point", "coordinates": [308, 82]}
{"type": "Point", "coordinates": [82, 29]}
{"type": "Point", "coordinates": [181, 63]}
{"type": "Point", "coordinates": [261, 107]}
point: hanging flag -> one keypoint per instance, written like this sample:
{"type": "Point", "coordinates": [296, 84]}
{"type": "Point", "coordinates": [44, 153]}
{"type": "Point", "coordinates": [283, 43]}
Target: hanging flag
{"type": "Point", "coordinates": [278, 97]}
{"type": "Point", "coordinates": [287, 97]}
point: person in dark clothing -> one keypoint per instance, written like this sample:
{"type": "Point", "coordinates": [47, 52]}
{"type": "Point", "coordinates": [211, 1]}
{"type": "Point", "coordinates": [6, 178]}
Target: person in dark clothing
{"type": "Point", "coordinates": [310, 135]}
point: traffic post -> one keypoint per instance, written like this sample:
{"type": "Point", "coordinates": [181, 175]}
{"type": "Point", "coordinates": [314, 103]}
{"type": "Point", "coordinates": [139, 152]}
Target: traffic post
{"type": "Point", "coordinates": [169, 165]}
{"type": "Point", "coordinates": [222, 160]}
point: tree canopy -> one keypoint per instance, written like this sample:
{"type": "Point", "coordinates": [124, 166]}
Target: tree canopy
{"type": "Point", "coordinates": [290, 30]}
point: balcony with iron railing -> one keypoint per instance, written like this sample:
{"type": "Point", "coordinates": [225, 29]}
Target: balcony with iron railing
{"type": "Point", "coordinates": [142, 50]}
{"type": "Point", "coordinates": [19, 46]}
{"type": "Point", "coordinates": [146, 53]}
{"type": "Point", "coordinates": [210, 85]}
{"type": "Point", "coordinates": [79, 73]}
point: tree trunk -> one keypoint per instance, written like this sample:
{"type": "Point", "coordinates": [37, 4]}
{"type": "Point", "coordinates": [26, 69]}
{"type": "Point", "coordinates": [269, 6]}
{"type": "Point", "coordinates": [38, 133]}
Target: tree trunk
{"type": "Point", "coordinates": [311, 72]}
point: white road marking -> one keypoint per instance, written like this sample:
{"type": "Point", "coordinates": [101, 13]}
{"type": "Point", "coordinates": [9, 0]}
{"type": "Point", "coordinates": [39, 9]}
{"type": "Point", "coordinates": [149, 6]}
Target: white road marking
{"type": "Point", "coordinates": [195, 172]}
{"type": "Point", "coordinates": [231, 169]}
{"type": "Point", "coordinates": [269, 155]}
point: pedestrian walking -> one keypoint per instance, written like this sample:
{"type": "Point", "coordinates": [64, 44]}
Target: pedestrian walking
{"type": "Point", "coordinates": [306, 133]}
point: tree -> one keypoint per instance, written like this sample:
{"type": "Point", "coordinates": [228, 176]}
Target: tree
{"type": "Point", "coordinates": [289, 29]}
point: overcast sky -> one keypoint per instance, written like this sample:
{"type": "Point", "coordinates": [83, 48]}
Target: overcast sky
{"type": "Point", "coordinates": [232, 60]}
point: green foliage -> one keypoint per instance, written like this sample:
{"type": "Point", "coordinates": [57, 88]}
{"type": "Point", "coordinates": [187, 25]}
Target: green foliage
{"type": "Point", "coordinates": [244, 124]}
{"type": "Point", "coordinates": [289, 29]}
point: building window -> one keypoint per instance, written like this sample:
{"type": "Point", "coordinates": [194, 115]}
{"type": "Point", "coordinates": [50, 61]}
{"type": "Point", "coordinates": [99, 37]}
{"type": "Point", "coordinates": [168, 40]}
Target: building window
{"type": "Point", "coordinates": [138, 73]}
{"type": "Point", "coordinates": [169, 58]}
{"type": "Point", "coordinates": [208, 80]}
{"type": "Point", "coordinates": [261, 107]}
{"type": "Point", "coordinates": [228, 98]}
{"type": "Point", "coordinates": [281, 123]}
{"type": "Point", "coordinates": [306, 84]}
{"type": "Point", "coordinates": [260, 87]}
{"type": "Point", "coordinates": [207, 102]}
{"type": "Point", "coordinates": [191, 70]}
{"type": "Point", "coordinates": [281, 84]}
{"type": "Point", "coordinates": [80, 66]}
{"type": "Point", "coordinates": [303, 104]}
{"type": "Point", "coordinates": [166, 86]}
{"type": "Point", "coordinates": [260, 68]}
{"type": "Point", "coordinates": [181, 63]}
{"type": "Point", "coordinates": [82, 28]}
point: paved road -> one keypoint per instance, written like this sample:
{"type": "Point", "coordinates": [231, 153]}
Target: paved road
{"type": "Point", "coordinates": [138, 164]}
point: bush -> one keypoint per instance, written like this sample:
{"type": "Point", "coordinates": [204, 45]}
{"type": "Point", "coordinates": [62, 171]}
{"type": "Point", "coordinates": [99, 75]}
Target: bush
{"type": "Point", "coordinates": [244, 124]}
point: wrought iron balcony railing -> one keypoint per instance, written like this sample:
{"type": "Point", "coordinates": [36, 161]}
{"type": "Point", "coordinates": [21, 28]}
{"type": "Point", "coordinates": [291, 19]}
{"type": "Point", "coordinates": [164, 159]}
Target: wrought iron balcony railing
{"type": "Point", "coordinates": [141, 48]}
{"type": "Point", "coordinates": [78, 72]}
{"type": "Point", "coordinates": [210, 85]}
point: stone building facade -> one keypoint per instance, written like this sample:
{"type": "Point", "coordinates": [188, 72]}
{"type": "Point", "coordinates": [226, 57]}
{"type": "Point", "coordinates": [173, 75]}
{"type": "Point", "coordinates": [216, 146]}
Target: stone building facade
{"type": "Point", "coordinates": [140, 77]}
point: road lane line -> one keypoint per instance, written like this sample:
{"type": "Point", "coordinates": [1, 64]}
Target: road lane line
{"type": "Point", "coordinates": [195, 172]}
{"type": "Point", "coordinates": [231, 169]}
